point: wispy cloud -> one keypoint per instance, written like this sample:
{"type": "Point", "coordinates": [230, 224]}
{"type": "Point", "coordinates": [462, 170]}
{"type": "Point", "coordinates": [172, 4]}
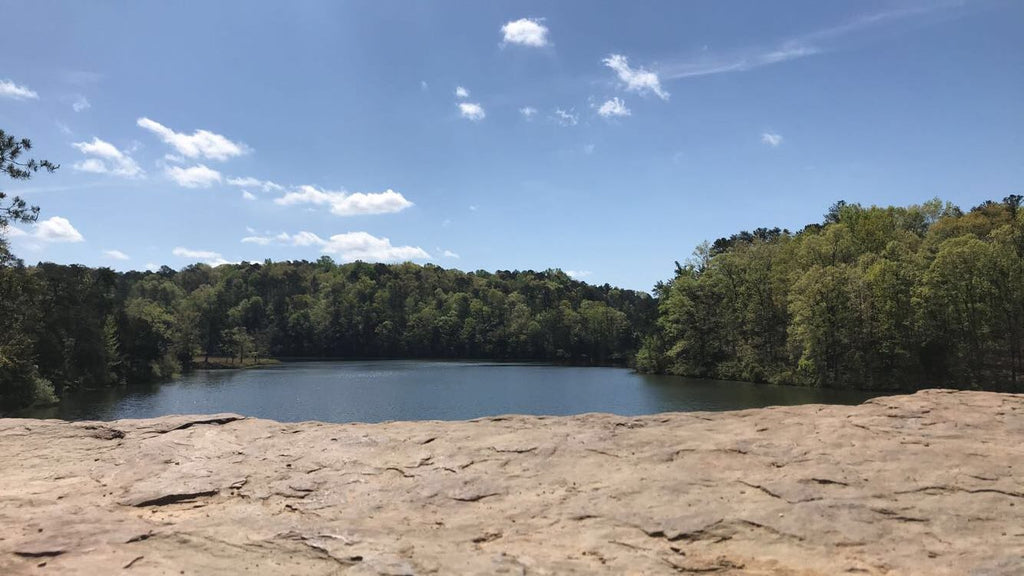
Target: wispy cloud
{"type": "Point", "coordinates": [105, 158]}
{"type": "Point", "coordinates": [566, 117]}
{"type": "Point", "coordinates": [801, 46]}
{"type": "Point", "coordinates": [528, 112]}
{"type": "Point", "coordinates": [461, 92]}
{"type": "Point", "coordinates": [206, 256]}
{"type": "Point", "coordinates": [250, 182]}
{"type": "Point", "coordinates": [772, 139]}
{"type": "Point", "coordinates": [199, 176]}
{"type": "Point", "coordinates": [639, 80]}
{"type": "Point", "coordinates": [8, 89]}
{"type": "Point", "coordinates": [199, 144]}
{"type": "Point", "coordinates": [116, 255]}
{"type": "Point", "coordinates": [612, 108]}
{"type": "Point", "coordinates": [80, 103]}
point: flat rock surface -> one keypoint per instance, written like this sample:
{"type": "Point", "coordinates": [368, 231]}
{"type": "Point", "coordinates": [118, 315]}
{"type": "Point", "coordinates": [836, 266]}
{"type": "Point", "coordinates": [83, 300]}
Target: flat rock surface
{"type": "Point", "coordinates": [930, 483]}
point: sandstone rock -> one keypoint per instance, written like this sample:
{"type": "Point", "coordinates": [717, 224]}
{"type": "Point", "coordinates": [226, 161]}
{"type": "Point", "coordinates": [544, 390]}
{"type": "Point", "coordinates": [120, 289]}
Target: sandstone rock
{"type": "Point", "coordinates": [931, 483]}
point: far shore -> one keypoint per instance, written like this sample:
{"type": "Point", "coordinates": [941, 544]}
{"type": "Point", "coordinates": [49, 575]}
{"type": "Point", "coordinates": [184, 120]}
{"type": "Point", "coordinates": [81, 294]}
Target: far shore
{"type": "Point", "coordinates": [225, 363]}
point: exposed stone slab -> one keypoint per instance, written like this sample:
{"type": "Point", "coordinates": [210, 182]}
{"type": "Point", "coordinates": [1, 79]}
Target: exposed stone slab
{"type": "Point", "coordinates": [930, 483]}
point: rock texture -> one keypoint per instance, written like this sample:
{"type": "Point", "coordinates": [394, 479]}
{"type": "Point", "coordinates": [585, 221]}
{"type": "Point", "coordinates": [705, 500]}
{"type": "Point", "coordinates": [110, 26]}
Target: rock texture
{"type": "Point", "coordinates": [931, 483]}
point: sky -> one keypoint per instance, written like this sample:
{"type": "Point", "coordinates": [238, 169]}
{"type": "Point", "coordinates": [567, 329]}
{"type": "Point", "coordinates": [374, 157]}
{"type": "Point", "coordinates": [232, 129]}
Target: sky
{"type": "Point", "coordinates": [606, 139]}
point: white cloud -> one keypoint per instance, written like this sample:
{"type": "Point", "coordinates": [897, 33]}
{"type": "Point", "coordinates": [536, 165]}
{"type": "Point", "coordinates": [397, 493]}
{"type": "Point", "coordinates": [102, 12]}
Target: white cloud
{"type": "Point", "coordinates": [261, 240]}
{"type": "Point", "coordinates": [284, 238]}
{"type": "Point", "coordinates": [116, 255]}
{"type": "Point", "coordinates": [107, 160]}
{"type": "Point", "coordinates": [349, 246]}
{"type": "Point", "coordinates": [472, 111]}
{"type": "Point", "coordinates": [206, 256]}
{"type": "Point", "coordinates": [771, 139]}
{"type": "Point", "coordinates": [450, 254]}
{"type": "Point", "coordinates": [199, 176]}
{"type": "Point", "coordinates": [525, 32]}
{"type": "Point", "coordinates": [369, 248]}
{"type": "Point", "coordinates": [152, 267]}
{"type": "Point", "coordinates": [8, 89]}
{"type": "Point", "coordinates": [99, 148]}
{"type": "Point", "coordinates": [461, 92]}
{"type": "Point", "coordinates": [614, 107]}
{"type": "Point", "coordinates": [80, 103]}
{"type": "Point", "coordinates": [566, 118]}
{"type": "Point", "coordinates": [528, 112]}
{"type": "Point", "coordinates": [301, 239]}
{"type": "Point", "coordinates": [198, 254]}
{"type": "Point", "coordinates": [347, 204]}
{"type": "Point", "coordinates": [56, 229]}
{"type": "Point", "coordinates": [93, 165]}
{"type": "Point", "coordinates": [200, 144]}
{"type": "Point", "coordinates": [636, 80]}
{"type": "Point", "coordinates": [250, 182]}
{"type": "Point", "coordinates": [246, 195]}
{"type": "Point", "coordinates": [578, 274]}
{"type": "Point", "coordinates": [424, 86]}
{"type": "Point", "coordinates": [474, 208]}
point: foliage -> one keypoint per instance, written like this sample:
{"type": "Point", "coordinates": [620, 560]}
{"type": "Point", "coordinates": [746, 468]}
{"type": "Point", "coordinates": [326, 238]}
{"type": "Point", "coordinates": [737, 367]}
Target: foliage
{"type": "Point", "coordinates": [887, 298]}
{"type": "Point", "coordinates": [20, 381]}
{"type": "Point", "coordinates": [96, 327]}
{"type": "Point", "coordinates": [16, 209]}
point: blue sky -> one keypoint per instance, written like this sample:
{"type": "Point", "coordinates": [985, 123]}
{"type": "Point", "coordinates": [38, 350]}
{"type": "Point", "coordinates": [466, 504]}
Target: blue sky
{"type": "Point", "coordinates": [606, 139]}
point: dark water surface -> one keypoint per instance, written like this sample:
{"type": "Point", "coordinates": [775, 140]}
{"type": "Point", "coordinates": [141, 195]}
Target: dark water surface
{"type": "Point", "coordinates": [375, 391]}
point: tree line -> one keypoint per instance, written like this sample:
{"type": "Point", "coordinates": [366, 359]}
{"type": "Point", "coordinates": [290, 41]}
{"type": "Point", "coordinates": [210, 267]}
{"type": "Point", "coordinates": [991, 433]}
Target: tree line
{"type": "Point", "coordinates": [91, 327]}
{"type": "Point", "coordinates": [875, 298]}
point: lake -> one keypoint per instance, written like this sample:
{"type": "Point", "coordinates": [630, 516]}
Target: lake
{"type": "Point", "coordinates": [376, 391]}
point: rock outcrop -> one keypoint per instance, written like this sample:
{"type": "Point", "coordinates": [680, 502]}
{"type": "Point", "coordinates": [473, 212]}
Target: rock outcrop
{"type": "Point", "coordinates": [930, 483]}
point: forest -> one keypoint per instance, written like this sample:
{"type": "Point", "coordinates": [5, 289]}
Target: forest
{"type": "Point", "coordinates": [873, 298]}
{"type": "Point", "coordinates": [87, 327]}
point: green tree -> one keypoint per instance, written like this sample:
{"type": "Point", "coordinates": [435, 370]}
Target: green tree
{"type": "Point", "coordinates": [20, 381]}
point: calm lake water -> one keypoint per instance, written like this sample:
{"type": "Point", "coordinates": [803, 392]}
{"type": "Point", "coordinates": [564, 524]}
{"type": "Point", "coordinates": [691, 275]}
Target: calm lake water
{"type": "Point", "coordinates": [378, 391]}
{"type": "Point", "coordinates": [375, 391]}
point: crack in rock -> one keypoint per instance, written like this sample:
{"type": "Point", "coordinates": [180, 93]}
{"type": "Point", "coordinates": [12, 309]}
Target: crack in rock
{"type": "Point", "coordinates": [165, 499]}
{"type": "Point", "coordinates": [214, 421]}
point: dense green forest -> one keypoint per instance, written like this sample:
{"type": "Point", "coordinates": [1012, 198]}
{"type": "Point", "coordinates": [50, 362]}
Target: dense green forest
{"type": "Point", "coordinates": [878, 298]}
{"type": "Point", "coordinates": [87, 327]}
